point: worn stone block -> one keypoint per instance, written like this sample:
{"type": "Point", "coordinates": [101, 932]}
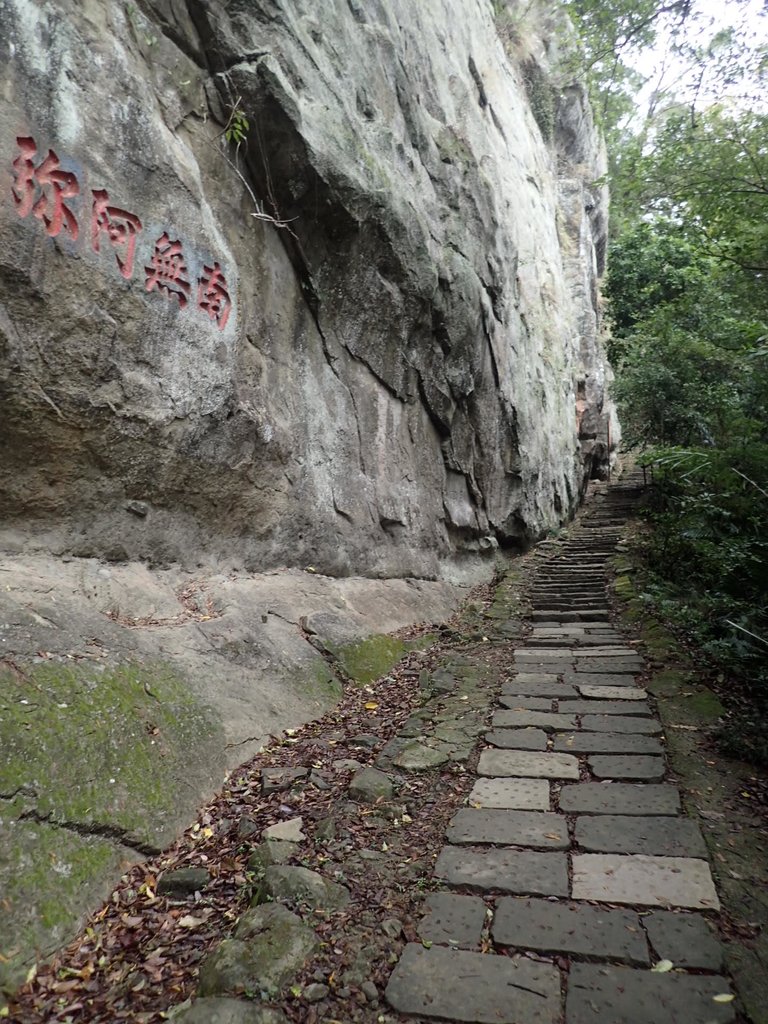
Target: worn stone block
{"type": "Point", "coordinates": [549, 721]}
{"type": "Point", "coordinates": [517, 703]}
{"type": "Point", "coordinates": [520, 794]}
{"type": "Point", "coordinates": [620, 723]}
{"type": "Point", "coordinates": [622, 995]}
{"type": "Point", "coordinates": [570, 928]}
{"type": "Point", "coordinates": [613, 692]}
{"type": "Point", "coordinates": [686, 939]}
{"type": "Point", "coordinates": [453, 920]}
{"type": "Point", "coordinates": [527, 764]}
{"type": "Point", "coordinates": [604, 707]}
{"type": "Point", "coordinates": [645, 881]}
{"type": "Point", "coordinates": [608, 666]}
{"type": "Point", "coordinates": [517, 739]}
{"type": "Point", "coordinates": [621, 833]}
{"type": "Point", "coordinates": [583, 678]}
{"type": "Point", "coordinates": [535, 688]}
{"type": "Point", "coordinates": [519, 872]}
{"type": "Point", "coordinates": [473, 987]}
{"type": "Point", "coordinates": [541, 829]}
{"type": "Point", "coordinates": [627, 767]}
{"type": "Point", "coordinates": [619, 798]}
{"type": "Point", "coordinates": [607, 743]}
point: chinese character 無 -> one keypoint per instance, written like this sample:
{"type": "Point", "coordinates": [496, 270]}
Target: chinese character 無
{"type": "Point", "coordinates": [168, 272]}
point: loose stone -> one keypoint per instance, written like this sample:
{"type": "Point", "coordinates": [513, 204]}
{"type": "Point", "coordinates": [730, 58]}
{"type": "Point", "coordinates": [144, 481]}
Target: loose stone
{"type": "Point", "coordinates": [620, 995]}
{"type": "Point", "coordinates": [483, 989]}
{"type": "Point", "coordinates": [419, 758]}
{"type": "Point", "coordinates": [619, 798]}
{"type": "Point", "coordinates": [182, 882]}
{"type": "Point", "coordinates": [522, 873]}
{"type": "Point", "coordinates": [519, 794]}
{"type": "Point", "coordinates": [453, 920]}
{"type": "Point", "coordinates": [287, 831]}
{"type": "Point", "coordinates": [370, 785]}
{"type": "Point", "coordinates": [540, 829]}
{"type": "Point", "coordinates": [221, 1010]}
{"type": "Point", "coordinates": [570, 928]}
{"type": "Point", "coordinates": [528, 764]}
{"type": "Point", "coordinates": [646, 881]}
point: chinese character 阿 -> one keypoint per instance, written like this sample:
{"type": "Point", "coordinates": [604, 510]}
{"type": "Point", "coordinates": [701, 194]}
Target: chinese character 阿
{"type": "Point", "coordinates": [212, 295]}
{"type": "Point", "coordinates": [118, 225]}
{"type": "Point", "coordinates": [52, 184]}
{"type": "Point", "coordinates": [168, 271]}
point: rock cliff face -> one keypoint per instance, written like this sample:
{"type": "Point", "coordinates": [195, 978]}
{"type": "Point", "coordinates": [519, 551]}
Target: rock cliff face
{"type": "Point", "coordinates": [295, 283]}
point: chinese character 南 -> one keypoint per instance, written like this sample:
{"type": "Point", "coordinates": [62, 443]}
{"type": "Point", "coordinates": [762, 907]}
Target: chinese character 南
{"type": "Point", "coordinates": [42, 189]}
{"type": "Point", "coordinates": [213, 296]}
{"type": "Point", "coordinates": [168, 271]}
{"type": "Point", "coordinates": [119, 226]}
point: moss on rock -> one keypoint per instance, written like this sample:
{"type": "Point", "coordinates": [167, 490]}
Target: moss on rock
{"type": "Point", "coordinates": [369, 659]}
{"type": "Point", "coordinates": [94, 765]}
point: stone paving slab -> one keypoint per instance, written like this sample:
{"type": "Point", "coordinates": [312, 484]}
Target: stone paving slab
{"type": "Point", "coordinates": [609, 666]}
{"type": "Point", "coordinates": [644, 881]}
{"type": "Point", "coordinates": [518, 702]}
{"type": "Point", "coordinates": [542, 687]}
{"type": "Point", "coordinates": [543, 830]}
{"type": "Point", "coordinates": [548, 666]}
{"type": "Point", "coordinates": [608, 766]}
{"type": "Point", "coordinates": [605, 707]}
{"type": "Point", "coordinates": [607, 743]}
{"type": "Point", "coordinates": [514, 794]}
{"type": "Point", "coordinates": [623, 995]}
{"type": "Point", "coordinates": [528, 764]}
{"type": "Point", "coordinates": [685, 939]}
{"type": "Point", "coordinates": [517, 739]}
{"type": "Point", "coordinates": [579, 679]}
{"type": "Point", "coordinates": [485, 989]}
{"type": "Point", "coordinates": [622, 833]}
{"type": "Point", "coordinates": [613, 692]}
{"type": "Point", "coordinates": [574, 928]}
{"type": "Point", "coordinates": [620, 723]}
{"type": "Point", "coordinates": [453, 920]}
{"type": "Point", "coordinates": [518, 872]}
{"type": "Point", "coordinates": [547, 720]}
{"type": "Point", "coordinates": [619, 798]}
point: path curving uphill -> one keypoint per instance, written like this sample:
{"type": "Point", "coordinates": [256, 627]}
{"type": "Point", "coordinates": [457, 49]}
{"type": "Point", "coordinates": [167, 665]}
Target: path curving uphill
{"type": "Point", "coordinates": [573, 887]}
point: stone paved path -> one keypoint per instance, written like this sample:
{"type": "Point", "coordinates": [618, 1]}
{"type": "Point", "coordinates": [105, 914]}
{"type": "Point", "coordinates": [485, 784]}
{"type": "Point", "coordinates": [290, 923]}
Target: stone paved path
{"type": "Point", "coordinates": [573, 872]}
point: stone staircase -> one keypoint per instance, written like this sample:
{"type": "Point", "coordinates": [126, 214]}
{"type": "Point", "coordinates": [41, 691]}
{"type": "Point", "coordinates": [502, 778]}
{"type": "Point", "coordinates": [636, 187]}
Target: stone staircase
{"type": "Point", "coordinates": [572, 888]}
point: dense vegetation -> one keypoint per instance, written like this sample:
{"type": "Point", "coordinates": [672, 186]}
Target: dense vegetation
{"type": "Point", "coordinates": [688, 304]}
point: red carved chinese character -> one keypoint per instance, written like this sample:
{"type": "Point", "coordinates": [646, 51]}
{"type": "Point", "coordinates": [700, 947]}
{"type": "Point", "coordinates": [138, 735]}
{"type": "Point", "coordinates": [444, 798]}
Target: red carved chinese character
{"type": "Point", "coordinates": [168, 272]}
{"type": "Point", "coordinates": [119, 226]}
{"type": "Point", "coordinates": [212, 295]}
{"type": "Point", "coordinates": [53, 184]}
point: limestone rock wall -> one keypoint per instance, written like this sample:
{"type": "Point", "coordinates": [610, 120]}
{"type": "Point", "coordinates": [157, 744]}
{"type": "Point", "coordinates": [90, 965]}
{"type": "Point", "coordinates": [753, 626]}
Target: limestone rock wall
{"type": "Point", "coordinates": [295, 283]}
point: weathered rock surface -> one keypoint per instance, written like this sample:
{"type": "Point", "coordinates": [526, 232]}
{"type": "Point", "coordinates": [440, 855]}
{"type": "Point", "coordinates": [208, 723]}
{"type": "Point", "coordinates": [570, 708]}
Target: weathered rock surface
{"type": "Point", "coordinates": [269, 948]}
{"type": "Point", "coordinates": [394, 377]}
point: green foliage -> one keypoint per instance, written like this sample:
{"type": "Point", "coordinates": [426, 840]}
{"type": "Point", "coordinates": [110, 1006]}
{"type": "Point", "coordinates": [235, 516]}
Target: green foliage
{"type": "Point", "coordinates": [688, 303]}
{"type": "Point", "coordinates": [236, 130]}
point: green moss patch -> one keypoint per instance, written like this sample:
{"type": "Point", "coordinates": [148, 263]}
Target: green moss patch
{"type": "Point", "coordinates": [92, 763]}
{"type": "Point", "coordinates": [369, 659]}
